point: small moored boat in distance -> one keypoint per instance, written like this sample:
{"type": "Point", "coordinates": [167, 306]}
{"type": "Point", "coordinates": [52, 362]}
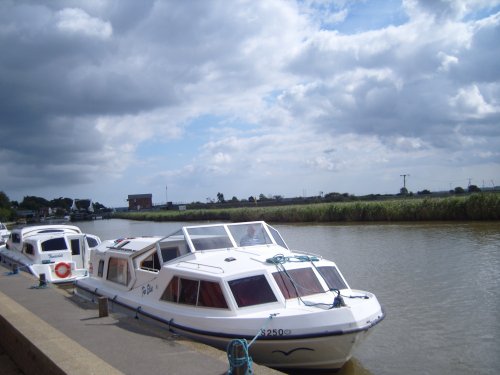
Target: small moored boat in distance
{"type": "Point", "coordinates": [219, 283]}
{"type": "Point", "coordinates": [61, 252]}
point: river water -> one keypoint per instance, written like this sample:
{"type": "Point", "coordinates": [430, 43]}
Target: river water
{"type": "Point", "coordinates": [438, 282]}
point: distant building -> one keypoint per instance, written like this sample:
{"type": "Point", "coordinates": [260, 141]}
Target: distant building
{"type": "Point", "coordinates": [140, 202]}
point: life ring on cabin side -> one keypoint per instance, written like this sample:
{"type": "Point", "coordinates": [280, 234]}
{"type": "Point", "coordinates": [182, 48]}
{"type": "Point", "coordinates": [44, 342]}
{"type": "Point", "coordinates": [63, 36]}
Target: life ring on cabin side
{"type": "Point", "coordinates": [63, 270]}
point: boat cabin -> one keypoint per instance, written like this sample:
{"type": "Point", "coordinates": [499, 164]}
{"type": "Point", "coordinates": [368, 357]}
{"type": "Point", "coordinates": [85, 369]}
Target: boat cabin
{"type": "Point", "coordinates": [215, 266]}
{"type": "Point", "coordinates": [17, 236]}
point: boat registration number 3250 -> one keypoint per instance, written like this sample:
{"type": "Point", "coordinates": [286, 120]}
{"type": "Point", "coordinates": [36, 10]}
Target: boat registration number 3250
{"type": "Point", "coordinates": [275, 332]}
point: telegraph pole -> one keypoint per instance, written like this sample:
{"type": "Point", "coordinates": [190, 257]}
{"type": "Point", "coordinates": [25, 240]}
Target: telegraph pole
{"type": "Point", "coordinates": [404, 179]}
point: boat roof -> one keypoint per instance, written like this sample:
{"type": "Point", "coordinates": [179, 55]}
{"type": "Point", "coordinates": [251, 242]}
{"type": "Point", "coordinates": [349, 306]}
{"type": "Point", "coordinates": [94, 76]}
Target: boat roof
{"type": "Point", "coordinates": [206, 237]}
{"type": "Point", "coordinates": [50, 228]}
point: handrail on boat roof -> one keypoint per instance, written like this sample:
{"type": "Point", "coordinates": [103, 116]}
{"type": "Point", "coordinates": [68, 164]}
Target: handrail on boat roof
{"type": "Point", "coordinates": [200, 266]}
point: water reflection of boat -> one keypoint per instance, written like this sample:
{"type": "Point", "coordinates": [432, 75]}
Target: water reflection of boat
{"type": "Point", "coordinates": [229, 284]}
{"type": "Point", "coordinates": [60, 252]}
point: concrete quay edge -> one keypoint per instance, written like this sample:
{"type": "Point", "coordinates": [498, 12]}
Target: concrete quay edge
{"type": "Point", "coordinates": [37, 347]}
{"type": "Point", "coordinates": [51, 331]}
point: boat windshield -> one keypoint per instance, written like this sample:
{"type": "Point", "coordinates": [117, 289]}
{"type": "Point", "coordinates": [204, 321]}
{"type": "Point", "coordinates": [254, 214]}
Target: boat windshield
{"type": "Point", "coordinates": [225, 236]}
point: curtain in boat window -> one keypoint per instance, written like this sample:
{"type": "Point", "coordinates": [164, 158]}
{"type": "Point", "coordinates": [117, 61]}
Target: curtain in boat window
{"type": "Point", "coordinates": [118, 271]}
{"type": "Point", "coordinates": [298, 283]}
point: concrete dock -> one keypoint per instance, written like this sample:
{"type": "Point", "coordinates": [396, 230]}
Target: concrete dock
{"type": "Point", "coordinates": [52, 331]}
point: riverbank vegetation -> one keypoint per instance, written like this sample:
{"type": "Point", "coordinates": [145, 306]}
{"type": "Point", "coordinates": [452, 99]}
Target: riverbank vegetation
{"type": "Point", "coordinates": [479, 206]}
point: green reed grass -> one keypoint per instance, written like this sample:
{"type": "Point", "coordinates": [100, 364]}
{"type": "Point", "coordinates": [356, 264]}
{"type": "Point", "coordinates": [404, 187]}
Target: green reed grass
{"type": "Point", "coordinates": [480, 206]}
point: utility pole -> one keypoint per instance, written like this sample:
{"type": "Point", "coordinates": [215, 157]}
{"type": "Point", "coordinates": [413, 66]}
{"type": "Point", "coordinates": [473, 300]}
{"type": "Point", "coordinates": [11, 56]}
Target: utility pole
{"type": "Point", "coordinates": [166, 195]}
{"type": "Point", "coordinates": [404, 179]}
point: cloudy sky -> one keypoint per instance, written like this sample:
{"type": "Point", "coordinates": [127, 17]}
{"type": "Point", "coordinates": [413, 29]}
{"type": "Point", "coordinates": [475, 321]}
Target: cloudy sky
{"type": "Point", "coordinates": [184, 99]}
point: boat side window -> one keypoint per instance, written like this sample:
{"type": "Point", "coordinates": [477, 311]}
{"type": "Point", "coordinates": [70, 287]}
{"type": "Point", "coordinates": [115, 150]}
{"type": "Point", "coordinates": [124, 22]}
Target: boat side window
{"type": "Point", "coordinates": [92, 242]}
{"type": "Point", "coordinates": [200, 293]}
{"type": "Point", "coordinates": [16, 238]}
{"type": "Point", "coordinates": [28, 249]}
{"type": "Point", "coordinates": [100, 268]}
{"type": "Point", "coordinates": [332, 277]}
{"type": "Point", "coordinates": [151, 263]}
{"type": "Point", "coordinates": [253, 290]}
{"type": "Point", "coordinates": [54, 244]}
{"type": "Point", "coordinates": [188, 291]}
{"type": "Point", "coordinates": [118, 271]}
{"type": "Point", "coordinates": [75, 246]}
{"type": "Point", "coordinates": [298, 283]}
{"type": "Point", "coordinates": [169, 253]}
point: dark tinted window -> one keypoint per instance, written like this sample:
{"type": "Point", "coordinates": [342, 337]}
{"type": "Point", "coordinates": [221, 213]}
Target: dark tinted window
{"type": "Point", "coordinates": [28, 249]}
{"type": "Point", "coordinates": [211, 295]}
{"type": "Point", "coordinates": [195, 292]}
{"type": "Point", "coordinates": [100, 269]}
{"type": "Point", "coordinates": [92, 242]}
{"type": "Point", "coordinates": [75, 247]}
{"type": "Point", "coordinates": [169, 253]}
{"type": "Point", "coordinates": [188, 292]}
{"type": "Point", "coordinates": [298, 283]}
{"type": "Point", "coordinates": [54, 244]}
{"type": "Point", "coordinates": [252, 290]}
{"type": "Point", "coordinates": [332, 278]}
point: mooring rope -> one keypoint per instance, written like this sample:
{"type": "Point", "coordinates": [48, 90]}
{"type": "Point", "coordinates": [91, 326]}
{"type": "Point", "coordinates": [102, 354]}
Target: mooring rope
{"type": "Point", "coordinates": [241, 345]}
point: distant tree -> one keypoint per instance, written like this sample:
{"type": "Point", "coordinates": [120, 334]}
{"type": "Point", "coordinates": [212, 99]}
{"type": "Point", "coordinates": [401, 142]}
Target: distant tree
{"type": "Point", "coordinates": [459, 190]}
{"type": "Point", "coordinates": [473, 189]}
{"type": "Point", "coordinates": [234, 199]}
{"type": "Point", "coordinates": [4, 200]}
{"type": "Point", "coordinates": [263, 198]}
{"type": "Point", "coordinates": [62, 203]}
{"type": "Point", "coordinates": [403, 191]}
{"type": "Point", "coordinates": [278, 198]}
{"type": "Point", "coordinates": [220, 198]}
{"type": "Point", "coordinates": [423, 192]}
{"type": "Point", "coordinates": [251, 199]}
{"type": "Point", "coordinates": [34, 203]}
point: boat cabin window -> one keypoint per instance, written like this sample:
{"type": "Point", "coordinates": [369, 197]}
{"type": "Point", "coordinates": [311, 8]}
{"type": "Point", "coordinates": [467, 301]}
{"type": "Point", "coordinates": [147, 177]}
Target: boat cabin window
{"type": "Point", "coordinates": [169, 253]}
{"type": "Point", "coordinates": [28, 249]}
{"type": "Point", "coordinates": [277, 237]}
{"type": "Point", "coordinates": [298, 283]}
{"type": "Point", "coordinates": [332, 278]}
{"type": "Point", "coordinates": [100, 268]}
{"type": "Point", "coordinates": [151, 263]}
{"type": "Point", "coordinates": [212, 237]}
{"type": "Point", "coordinates": [253, 290]}
{"type": "Point", "coordinates": [199, 293]}
{"type": "Point", "coordinates": [16, 238]}
{"type": "Point", "coordinates": [118, 271]}
{"type": "Point", "coordinates": [75, 247]}
{"type": "Point", "coordinates": [54, 244]}
{"type": "Point", "coordinates": [250, 234]}
{"type": "Point", "coordinates": [92, 242]}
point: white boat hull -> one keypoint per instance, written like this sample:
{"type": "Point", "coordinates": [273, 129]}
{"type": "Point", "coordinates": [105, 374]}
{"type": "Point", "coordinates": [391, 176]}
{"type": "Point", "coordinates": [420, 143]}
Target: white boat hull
{"type": "Point", "coordinates": [326, 349]}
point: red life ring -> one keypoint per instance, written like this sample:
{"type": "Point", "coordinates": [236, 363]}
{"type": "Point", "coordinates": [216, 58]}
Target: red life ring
{"type": "Point", "coordinates": [63, 270]}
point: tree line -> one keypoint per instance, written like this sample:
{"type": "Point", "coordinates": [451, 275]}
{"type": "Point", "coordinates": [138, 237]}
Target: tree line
{"type": "Point", "coordinates": [58, 207]}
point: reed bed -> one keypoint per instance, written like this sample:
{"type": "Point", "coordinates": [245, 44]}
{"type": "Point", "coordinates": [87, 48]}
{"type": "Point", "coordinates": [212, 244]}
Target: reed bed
{"type": "Point", "coordinates": [480, 206]}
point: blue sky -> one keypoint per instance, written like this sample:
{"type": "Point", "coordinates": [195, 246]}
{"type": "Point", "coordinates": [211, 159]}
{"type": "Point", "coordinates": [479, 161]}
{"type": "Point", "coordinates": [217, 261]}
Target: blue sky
{"type": "Point", "coordinates": [102, 99]}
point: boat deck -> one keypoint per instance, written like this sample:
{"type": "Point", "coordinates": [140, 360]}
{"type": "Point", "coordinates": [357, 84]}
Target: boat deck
{"type": "Point", "coordinates": [62, 330]}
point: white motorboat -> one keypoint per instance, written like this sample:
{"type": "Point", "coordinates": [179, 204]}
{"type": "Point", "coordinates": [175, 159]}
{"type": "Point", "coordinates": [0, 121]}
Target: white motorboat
{"type": "Point", "coordinates": [222, 283]}
{"type": "Point", "coordinates": [60, 252]}
{"type": "Point", "coordinates": [4, 233]}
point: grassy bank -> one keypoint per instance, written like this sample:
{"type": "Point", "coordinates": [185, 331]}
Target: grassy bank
{"type": "Point", "coordinates": [479, 206]}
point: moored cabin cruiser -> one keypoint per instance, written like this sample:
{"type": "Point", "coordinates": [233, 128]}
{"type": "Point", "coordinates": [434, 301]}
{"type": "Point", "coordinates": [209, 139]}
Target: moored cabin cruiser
{"type": "Point", "coordinates": [60, 252]}
{"type": "Point", "coordinates": [224, 282]}
{"type": "Point", "coordinates": [4, 233]}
